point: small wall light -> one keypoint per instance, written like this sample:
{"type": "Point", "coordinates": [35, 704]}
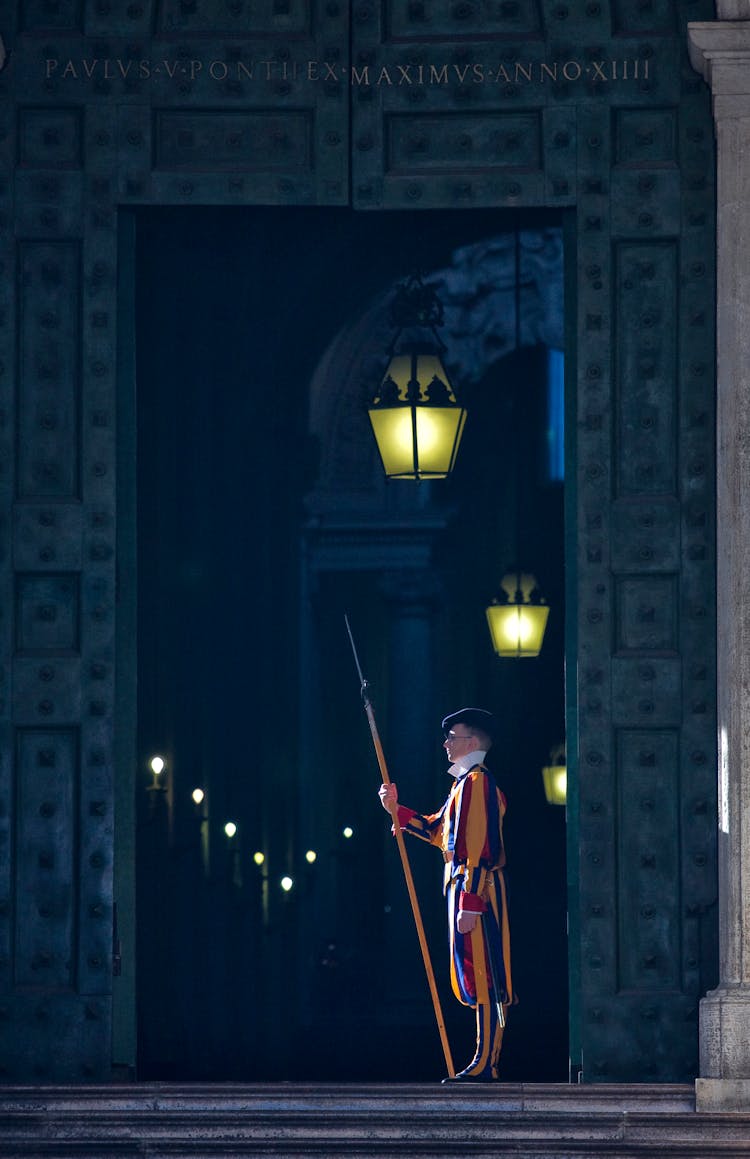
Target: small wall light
{"type": "Point", "coordinates": [157, 766]}
{"type": "Point", "coordinates": [555, 776]}
{"type": "Point", "coordinates": [286, 884]}
{"type": "Point", "coordinates": [230, 829]}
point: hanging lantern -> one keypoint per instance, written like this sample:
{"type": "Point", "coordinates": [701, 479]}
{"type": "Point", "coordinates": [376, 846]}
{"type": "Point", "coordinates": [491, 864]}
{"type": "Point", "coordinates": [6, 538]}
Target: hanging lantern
{"type": "Point", "coordinates": [415, 415]}
{"type": "Point", "coordinates": [555, 777]}
{"type": "Point", "coordinates": [517, 616]}
{"type": "Point", "coordinates": [416, 419]}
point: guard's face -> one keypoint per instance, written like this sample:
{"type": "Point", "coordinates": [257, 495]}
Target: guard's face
{"type": "Point", "coordinates": [459, 742]}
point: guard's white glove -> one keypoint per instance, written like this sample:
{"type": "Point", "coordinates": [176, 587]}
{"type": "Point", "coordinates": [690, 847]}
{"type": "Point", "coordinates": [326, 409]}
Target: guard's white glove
{"type": "Point", "coordinates": [465, 921]}
{"type": "Point", "coordinates": [388, 796]}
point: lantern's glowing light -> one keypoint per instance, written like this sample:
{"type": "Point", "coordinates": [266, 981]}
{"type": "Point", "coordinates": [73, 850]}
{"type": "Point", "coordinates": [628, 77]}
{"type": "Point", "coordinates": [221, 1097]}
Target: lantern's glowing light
{"type": "Point", "coordinates": [555, 776]}
{"type": "Point", "coordinates": [517, 619]}
{"type": "Point", "coordinates": [555, 783]}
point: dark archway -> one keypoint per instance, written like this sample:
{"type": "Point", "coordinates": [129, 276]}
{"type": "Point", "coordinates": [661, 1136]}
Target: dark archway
{"type": "Point", "coordinates": [241, 617]}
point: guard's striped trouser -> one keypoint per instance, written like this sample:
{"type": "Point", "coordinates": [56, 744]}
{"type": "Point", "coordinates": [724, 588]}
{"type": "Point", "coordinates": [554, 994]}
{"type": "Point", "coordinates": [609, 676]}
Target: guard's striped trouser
{"type": "Point", "coordinates": [471, 972]}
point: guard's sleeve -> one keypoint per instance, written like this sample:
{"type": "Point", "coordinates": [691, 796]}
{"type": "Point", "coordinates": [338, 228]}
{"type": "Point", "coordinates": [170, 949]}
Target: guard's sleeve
{"type": "Point", "coordinates": [478, 847]}
{"type": "Point", "coordinates": [428, 826]}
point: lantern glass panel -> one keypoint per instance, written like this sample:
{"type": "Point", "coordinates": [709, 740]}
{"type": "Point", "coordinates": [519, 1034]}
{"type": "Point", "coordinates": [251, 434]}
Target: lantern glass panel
{"type": "Point", "coordinates": [399, 370]}
{"type": "Point", "coordinates": [429, 368]}
{"type": "Point", "coordinates": [393, 430]}
{"type": "Point", "coordinates": [439, 432]}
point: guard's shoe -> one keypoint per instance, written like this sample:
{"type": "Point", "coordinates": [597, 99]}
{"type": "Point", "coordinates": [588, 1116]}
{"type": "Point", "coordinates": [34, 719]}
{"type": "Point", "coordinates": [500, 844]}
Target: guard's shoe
{"type": "Point", "coordinates": [466, 1076]}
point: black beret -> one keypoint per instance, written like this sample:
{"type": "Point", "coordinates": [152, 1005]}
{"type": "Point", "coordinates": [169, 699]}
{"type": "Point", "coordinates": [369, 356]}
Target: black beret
{"type": "Point", "coordinates": [473, 718]}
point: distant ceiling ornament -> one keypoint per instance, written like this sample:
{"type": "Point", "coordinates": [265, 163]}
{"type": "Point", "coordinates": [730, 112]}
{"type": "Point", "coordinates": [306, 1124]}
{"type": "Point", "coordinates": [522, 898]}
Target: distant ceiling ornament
{"type": "Point", "coordinates": [478, 290]}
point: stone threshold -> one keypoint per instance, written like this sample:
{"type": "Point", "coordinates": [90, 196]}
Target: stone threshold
{"type": "Point", "coordinates": [360, 1121]}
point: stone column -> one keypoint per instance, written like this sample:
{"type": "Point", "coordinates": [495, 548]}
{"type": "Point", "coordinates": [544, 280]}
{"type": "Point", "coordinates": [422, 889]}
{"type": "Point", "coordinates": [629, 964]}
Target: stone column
{"type": "Point", "coordinates": [412, 739]}
{"type": "Point", "coordinates": [721, 53]}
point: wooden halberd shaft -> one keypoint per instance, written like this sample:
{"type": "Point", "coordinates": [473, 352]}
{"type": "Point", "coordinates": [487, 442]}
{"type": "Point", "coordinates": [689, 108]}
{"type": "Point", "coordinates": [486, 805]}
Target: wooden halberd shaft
{"type": "Point", "coordinates": [404, 863]}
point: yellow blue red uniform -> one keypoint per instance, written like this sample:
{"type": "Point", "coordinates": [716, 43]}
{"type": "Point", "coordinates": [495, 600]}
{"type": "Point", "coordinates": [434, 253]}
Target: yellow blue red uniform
{"type": "Point", "coordinates": [468, 829]}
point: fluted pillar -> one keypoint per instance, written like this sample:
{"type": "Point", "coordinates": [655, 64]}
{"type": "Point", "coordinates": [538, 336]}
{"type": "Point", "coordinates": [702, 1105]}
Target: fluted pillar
{"type": "Point", "coordinates": [721, 52]}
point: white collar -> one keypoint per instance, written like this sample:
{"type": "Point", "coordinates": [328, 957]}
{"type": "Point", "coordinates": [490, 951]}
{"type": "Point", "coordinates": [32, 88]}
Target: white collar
{"type": "Point", "coordinates": [461, 768]}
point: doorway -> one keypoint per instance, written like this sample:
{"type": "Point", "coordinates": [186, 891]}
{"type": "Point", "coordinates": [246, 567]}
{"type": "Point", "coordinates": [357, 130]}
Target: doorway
{"type": "Point", "coordinates": [246, 689]}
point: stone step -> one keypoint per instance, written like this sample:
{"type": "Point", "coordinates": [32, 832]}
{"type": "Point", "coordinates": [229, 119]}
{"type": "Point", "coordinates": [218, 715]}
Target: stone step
{"type": "Point", "coordinates": [295, 1120]}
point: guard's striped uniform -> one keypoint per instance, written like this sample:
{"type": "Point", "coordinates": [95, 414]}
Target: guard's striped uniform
{"type": "Point", "coordinates": [469, 831]}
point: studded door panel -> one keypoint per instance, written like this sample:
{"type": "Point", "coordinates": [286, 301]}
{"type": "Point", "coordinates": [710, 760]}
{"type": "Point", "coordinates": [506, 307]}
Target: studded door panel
{"type": "Point", "coordinates": [104, 105]}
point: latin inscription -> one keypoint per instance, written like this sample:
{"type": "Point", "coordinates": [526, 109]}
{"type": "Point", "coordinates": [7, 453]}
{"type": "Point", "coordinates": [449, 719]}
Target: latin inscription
{"type": "Point", "coordinates": [516, 73]}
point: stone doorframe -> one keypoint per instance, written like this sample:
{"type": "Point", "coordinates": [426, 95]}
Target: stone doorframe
{"type": "Point", "coordinates": [636, 173]}
{"type": "Point", "coordinates": [720, 51]}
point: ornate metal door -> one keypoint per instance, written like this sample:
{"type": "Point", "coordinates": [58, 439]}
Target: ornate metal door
{"type": "Point", "coordinates": [581, 106]}
{"type": "Point", "coordinates": [593, 108]}
{"type": "Point", "coordinates": [105, 106]}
